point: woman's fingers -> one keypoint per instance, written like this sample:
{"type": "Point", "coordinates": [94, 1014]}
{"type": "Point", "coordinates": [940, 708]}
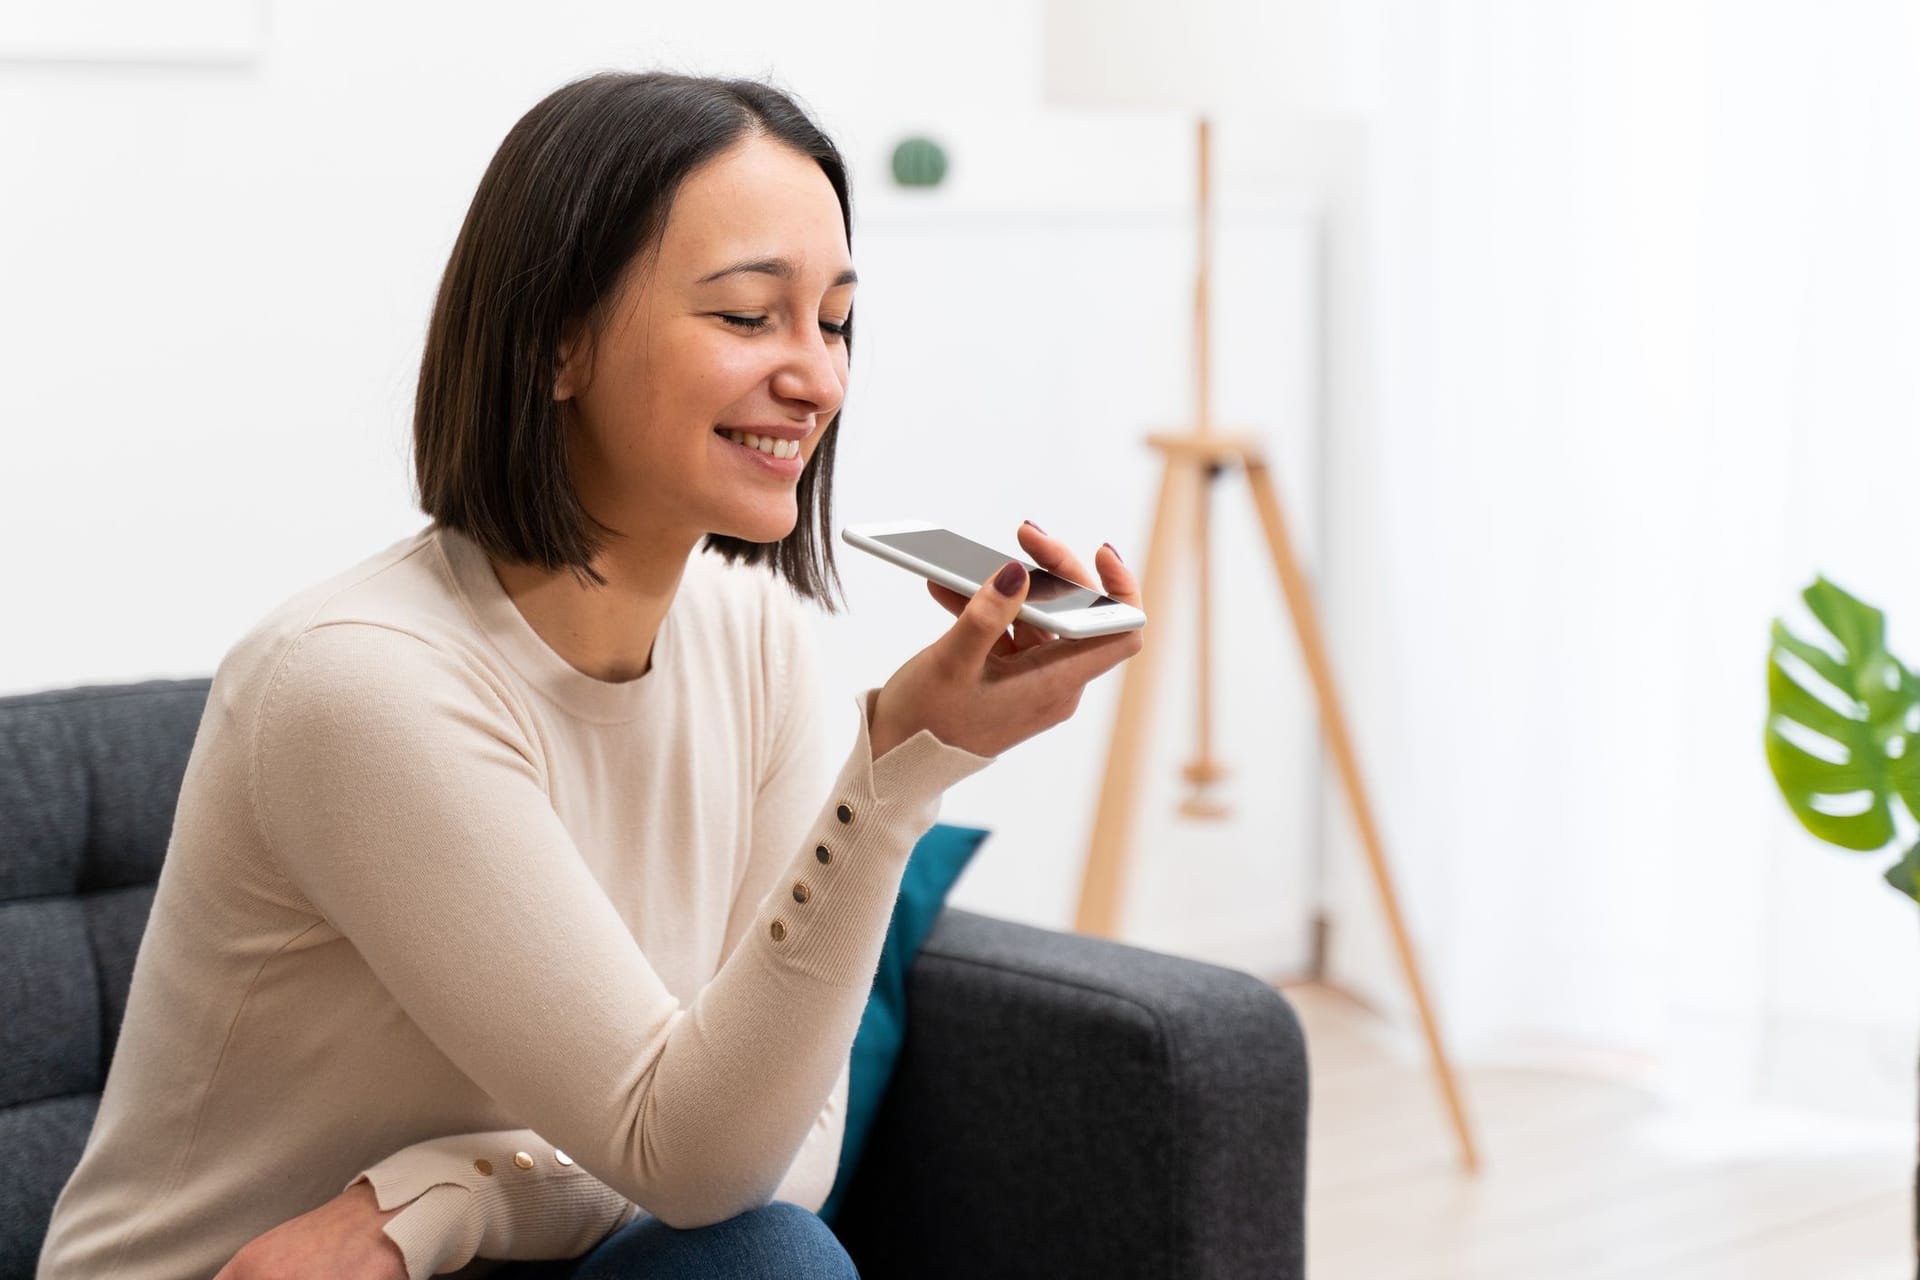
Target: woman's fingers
{"type": "Point", "coordinates": [980, 631]}
{"type": "Point", "coordinates": [1115, 577]}
{"type": "Point", "coordinates": [1053, 555]}
{"type": "Point", "coordinates": [956, 604]}
{"type": "Point", "coordinates": [1059, 670]}
{"type": "Point", "coordinates": [1025, 635]}
{"type": "Point", "coordinates": [983, 689]}
{"type": "Point", "coordinates": [950, 600]}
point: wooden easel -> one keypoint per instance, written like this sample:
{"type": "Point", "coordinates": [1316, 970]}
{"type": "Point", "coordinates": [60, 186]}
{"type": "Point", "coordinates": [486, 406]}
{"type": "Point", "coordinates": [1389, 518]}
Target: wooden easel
{"type": "Point", "coordinates": [1190, 463]}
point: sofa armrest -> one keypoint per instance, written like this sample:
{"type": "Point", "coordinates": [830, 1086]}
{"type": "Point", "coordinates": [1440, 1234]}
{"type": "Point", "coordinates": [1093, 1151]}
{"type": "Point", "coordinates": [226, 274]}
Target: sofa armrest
{"type": "Point", "coordinates": [1070, 1106]}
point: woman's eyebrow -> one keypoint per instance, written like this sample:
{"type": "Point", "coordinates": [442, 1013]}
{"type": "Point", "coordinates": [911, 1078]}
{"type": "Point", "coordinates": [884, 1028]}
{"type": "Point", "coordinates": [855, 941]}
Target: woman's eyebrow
{"type": "Point", "coordinates": [780, 267]}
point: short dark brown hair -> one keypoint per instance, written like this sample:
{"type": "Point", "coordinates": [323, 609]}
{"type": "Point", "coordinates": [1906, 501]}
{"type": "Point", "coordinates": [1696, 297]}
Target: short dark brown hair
{"type": "Point", "coordinates": [583, 184]}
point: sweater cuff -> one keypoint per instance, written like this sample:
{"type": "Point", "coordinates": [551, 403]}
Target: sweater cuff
{"type": "Point", "coordinates": [506, 1194]}
{"type": "Point", "coordinates": [916, 770]}
{"type": "Point", "coordinates": [828, 918]}
{"type": "Point", "coordinates": [433, 1232]}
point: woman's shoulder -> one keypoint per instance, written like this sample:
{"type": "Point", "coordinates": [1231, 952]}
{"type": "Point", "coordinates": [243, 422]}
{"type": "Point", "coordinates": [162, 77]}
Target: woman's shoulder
{"type": "Point", "coordinates": [387, 620]}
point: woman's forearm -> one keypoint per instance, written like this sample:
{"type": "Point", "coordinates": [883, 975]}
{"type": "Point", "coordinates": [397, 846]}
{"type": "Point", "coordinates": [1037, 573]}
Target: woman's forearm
{"type": "Point", "coordinates": [504, 1194]}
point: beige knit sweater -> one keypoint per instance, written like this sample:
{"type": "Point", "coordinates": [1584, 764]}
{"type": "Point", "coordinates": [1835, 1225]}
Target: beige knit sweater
{"type": "Point", "coordinates": [525, 948]}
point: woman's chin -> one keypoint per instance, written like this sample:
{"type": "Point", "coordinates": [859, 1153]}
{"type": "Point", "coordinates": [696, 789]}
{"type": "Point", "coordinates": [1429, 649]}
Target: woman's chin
{"type": "Point", "coordinates": [762, 527]}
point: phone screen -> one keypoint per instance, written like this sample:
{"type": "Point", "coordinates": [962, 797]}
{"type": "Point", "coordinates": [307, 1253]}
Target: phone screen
{"type": "Point", "coordinates": [976, 563]}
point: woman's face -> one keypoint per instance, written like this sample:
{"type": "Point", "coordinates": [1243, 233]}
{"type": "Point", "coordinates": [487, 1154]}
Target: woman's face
{"type": "Point", "coordinates": [730, 329]}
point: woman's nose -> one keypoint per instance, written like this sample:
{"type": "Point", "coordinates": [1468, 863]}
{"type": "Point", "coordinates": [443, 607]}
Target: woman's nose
{"type": "Point", "coordinates": [811, 373]}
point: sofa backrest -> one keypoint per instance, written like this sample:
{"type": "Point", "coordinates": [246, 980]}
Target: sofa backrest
{"type": "Point", "coordinates": [88, 782]}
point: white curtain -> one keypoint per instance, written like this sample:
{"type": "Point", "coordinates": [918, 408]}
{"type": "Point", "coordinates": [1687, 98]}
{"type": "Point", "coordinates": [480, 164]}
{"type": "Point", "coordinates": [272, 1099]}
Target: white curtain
{"type": "Point", "coordinates": [1642, 300]}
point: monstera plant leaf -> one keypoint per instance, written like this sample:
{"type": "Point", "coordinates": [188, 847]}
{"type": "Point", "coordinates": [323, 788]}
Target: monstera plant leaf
{"type": "Point", "coordinates": [1867, 730]}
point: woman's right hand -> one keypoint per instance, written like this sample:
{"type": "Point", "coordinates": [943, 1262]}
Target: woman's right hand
{"type": "Point", "coordinates": [340, 1240]}
{"type": "Point", "coordinates": [982, 689]}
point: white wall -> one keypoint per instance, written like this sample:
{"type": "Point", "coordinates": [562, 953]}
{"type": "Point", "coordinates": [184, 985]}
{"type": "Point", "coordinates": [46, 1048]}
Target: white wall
{"type": "Point", "coordinates": [1621, 359]}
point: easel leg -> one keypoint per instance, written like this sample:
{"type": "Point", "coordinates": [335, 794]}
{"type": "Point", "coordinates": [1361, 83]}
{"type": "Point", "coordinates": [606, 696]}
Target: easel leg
{"type": "Point", "coordinates": [1333, 723]}
{"type": "Point", "coordinates": [1104, 876]}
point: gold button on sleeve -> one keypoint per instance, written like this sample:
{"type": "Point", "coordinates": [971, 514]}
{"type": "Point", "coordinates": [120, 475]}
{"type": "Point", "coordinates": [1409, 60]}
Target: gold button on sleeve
{"type": "Point", "coordinates": [800, 891]}
{"type": "Point", "coordinates": [561, 1156]}
{"type": "Point", "coordinates": [484, 1167]}
{"type": "Point", "coordinates": [844, 813]}
{"type": "Point", "coordinates": [522, 1159]}
{"type": "Point", "coordinates": [822, 854]}
{"type": "Point", "coordinates": [778, 930]}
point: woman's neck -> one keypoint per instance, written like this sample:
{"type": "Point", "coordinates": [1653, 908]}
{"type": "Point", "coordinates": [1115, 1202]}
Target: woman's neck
{"type": "Point", "coordinates": [604, 632]}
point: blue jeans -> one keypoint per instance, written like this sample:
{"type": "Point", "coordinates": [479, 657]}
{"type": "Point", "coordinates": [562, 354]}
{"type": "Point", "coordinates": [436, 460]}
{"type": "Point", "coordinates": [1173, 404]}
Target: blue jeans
{"type": "Point", "coordinates": [779, 1241]}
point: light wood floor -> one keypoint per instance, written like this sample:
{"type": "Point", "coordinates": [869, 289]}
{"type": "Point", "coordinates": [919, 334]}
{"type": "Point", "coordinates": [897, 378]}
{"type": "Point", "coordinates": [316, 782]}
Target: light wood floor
{"type": "Point", "coordinates": [1582, 1180]}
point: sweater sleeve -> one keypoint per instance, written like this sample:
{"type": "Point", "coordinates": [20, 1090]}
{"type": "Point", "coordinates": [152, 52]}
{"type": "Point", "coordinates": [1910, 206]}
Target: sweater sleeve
{"type": "Point", "coordinates": [514, 1195]}
{"type": "Point", "coordinates": [796, 773]}
{"type": "Point", "coordinates": [404, 801]}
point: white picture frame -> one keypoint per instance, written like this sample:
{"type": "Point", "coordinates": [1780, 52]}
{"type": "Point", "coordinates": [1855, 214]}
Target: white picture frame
{"type": "Point", "coordinates": [134, 32]}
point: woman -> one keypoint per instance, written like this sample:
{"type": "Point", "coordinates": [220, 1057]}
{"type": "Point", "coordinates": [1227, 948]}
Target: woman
{"type": "Point", "coordinates": [513, 908]}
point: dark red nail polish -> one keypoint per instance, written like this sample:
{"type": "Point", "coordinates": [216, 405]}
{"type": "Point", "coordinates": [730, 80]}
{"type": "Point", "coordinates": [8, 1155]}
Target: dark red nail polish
{"type": "Point", "coordinates": [1034, 525]}
{"type": "Point", "coordinates": [1116, 554]}
{"type": "Point", "coordinates": [1008, 580]}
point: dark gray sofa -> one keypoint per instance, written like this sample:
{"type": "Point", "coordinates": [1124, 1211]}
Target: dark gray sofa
{"type": "Point", "coordinates": [1063, 1107]}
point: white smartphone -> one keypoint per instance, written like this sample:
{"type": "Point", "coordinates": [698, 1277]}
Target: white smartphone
{"type": "Point", "coordinates": [1053, 604]}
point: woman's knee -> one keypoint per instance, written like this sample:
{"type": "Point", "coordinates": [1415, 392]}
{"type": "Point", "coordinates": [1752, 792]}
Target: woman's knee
{"type": "Point", "coordinates": [798, 1243]}
{"type": "Point", "coordinates": [778, 1241]}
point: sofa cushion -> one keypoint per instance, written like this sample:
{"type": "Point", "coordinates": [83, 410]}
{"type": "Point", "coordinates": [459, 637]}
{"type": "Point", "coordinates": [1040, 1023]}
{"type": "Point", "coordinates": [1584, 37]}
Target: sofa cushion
{"type": "Point", "coordinates": [89, 779]}
{"type": "Point", "coordinates": [88, 784]}
{"type": "Point", "coordinates": [936, 862]}
{"type": "Point", "coordinates": [49, 1001]}
{"type": "Point", "coordinates": [42, 1141]}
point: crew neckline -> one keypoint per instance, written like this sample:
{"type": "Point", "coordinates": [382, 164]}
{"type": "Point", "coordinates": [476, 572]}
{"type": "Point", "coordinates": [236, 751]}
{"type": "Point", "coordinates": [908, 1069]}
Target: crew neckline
{"type": "Point", "coordinates": [573, 690]}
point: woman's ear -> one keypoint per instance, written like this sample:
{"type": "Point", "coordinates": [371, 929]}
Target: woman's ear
{"type": "Point", "coordinates": [576, 361]}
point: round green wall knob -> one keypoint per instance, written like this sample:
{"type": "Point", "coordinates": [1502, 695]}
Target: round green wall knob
{"type": "Point", "coordinates": [919, 162]}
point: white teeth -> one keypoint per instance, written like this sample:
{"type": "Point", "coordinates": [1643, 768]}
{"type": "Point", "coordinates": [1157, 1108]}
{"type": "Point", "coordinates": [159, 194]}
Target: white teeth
{"type": "Point", "coordinates": [766, 444]}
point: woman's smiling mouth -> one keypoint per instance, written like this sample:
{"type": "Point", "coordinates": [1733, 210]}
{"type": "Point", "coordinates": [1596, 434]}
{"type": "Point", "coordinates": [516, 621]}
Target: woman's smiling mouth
{"type": "Point", "coordinates": [781, 457]}
{"type": "Point", "coordinates": [772, 446]}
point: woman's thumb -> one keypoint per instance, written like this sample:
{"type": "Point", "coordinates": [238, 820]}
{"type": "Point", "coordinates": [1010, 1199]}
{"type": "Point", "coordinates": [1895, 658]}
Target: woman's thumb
{"type": "Point", "coordinates": [991, 611]}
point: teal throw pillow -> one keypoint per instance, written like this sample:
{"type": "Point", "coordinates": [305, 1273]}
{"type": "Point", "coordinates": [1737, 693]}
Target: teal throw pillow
{"type": "Point", "coordinates": [935, 863]}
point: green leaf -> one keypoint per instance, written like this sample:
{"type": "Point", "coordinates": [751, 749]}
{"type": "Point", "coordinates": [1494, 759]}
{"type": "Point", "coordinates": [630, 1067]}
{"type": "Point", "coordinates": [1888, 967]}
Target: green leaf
{"type": "Point", "coordinates": [1875, 751]}
{"type": "Point", "coordinates": [1835, 673]}
{"type": "Point", "coordinates": [1904, 875]}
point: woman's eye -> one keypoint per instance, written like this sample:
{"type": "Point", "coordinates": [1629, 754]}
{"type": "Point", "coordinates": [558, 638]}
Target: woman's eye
{"type": "Point", "coordinates": [753, 324]}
